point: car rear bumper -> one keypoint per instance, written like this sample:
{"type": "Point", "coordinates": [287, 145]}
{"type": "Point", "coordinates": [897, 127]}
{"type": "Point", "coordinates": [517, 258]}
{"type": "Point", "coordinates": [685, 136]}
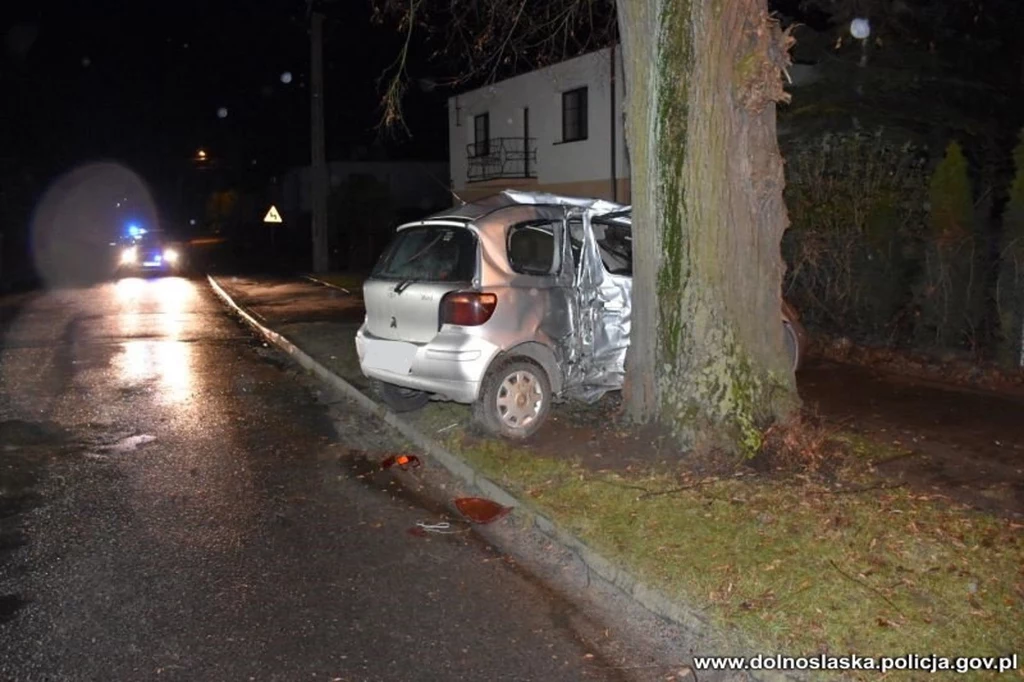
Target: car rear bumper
{"type": "Point", "coordinates": [452, 364]}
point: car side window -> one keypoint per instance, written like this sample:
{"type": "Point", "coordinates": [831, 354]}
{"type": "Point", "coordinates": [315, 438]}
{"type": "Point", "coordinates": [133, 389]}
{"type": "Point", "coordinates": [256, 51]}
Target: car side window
{"type": "Point", "coordinates": [532, 248]}
{"type": "Point", "coordinates": [616, 245]}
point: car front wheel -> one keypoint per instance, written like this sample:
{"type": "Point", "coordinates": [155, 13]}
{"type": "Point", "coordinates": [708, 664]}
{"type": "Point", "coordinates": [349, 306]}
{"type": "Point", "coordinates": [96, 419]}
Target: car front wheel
{"type": "Point", "coordinates": [514, 400]}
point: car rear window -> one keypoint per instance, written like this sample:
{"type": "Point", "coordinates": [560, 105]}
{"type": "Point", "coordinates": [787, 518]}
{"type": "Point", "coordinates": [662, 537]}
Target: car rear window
{"type": "Point", "coordinates": [429, 253]}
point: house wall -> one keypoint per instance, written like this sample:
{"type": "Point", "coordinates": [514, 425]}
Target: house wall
{"type": "Point", "coordinates": [580, 167]}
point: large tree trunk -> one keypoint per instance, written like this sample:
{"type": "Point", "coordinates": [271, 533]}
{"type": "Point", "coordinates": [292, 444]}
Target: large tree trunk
{"type": "Point", "coordinates": [707, 355]}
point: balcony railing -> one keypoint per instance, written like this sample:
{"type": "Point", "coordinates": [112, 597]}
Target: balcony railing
{"type": "Point", "coordinates": [502, 157]}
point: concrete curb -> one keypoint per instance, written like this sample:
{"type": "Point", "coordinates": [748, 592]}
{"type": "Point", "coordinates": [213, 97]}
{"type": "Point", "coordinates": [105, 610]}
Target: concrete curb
{"type": "Point", "coordinates": [317, 280]}
{"type": "Point", "coordinates": [600, 567]}
{"type": "Point", "coordinates": [450, 462]}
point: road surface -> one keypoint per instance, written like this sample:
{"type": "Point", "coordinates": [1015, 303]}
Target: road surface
{"type": "Point", "coordinates": [177, 504]}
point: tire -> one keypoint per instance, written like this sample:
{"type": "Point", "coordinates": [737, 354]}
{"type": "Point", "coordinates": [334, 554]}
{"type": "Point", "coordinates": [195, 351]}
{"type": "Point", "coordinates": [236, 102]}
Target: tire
{"type": "Point", "coordinates": [504, 409]}
{"type": "Point", "coordinates": [400, 399]}
{"type": "Point", "coordinates": [792, 345]}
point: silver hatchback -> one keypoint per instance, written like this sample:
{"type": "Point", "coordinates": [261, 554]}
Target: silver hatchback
{"type": "Point", "coordinates": [507, 303]}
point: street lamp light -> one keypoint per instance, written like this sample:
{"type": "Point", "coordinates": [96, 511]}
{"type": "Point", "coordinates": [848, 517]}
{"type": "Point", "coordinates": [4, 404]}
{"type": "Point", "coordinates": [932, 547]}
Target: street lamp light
{"type": "Point", "coordinates": [201, 155]}
{"type": "Point", "coordinates": [860, 28]}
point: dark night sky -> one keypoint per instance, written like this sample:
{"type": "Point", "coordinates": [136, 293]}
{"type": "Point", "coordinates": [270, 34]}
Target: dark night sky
{"type": "Point", "coordinates": [141, 82]}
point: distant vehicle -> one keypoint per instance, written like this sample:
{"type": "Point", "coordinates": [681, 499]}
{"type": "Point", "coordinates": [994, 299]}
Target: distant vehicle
{"type": "Point", "coordinates": [507, 303]}
{"type": "Point", "coordinates": [143, 252]}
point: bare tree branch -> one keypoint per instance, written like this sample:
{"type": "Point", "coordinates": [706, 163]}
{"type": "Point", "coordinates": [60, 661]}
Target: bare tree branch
{"type": "Point", "coordinates": [471, 42]}
{"type": "Point", "coordinates": [397, 77]}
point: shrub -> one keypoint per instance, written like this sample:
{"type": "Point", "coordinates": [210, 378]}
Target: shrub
{"type": "Point", "coordinates": [856, 202]}
{"type": "Point", "coordinates": [951, 286]}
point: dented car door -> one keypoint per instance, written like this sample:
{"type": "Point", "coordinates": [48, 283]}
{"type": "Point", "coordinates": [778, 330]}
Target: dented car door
{"type": "Point", "coordinates": [601, 311]}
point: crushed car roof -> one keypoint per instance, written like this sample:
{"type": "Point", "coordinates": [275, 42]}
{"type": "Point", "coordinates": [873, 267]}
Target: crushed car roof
{"type": "Point", "coordinates": [481, 207]}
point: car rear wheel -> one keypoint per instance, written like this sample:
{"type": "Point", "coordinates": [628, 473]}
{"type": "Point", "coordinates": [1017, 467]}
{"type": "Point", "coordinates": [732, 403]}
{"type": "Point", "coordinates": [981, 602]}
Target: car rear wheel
{"type": "Point", "coordinates": [514, 400]}
{"type": "Point", "coordinates": [400, 399]}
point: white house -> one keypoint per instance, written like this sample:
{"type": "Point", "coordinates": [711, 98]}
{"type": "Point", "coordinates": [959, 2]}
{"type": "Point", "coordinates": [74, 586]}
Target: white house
{"type": "Point", "coordinates": [557, 129]}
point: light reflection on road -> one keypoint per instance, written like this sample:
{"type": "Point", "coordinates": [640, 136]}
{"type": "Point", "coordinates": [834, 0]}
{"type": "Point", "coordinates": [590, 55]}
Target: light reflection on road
{"type": "Point", "coordinates": [192, 455]}
{"type": "Point", "coordinates": [159, 309]}
{"type": "Point", "coordinates": [168, 363]}
{"type": "Point", "coordinates": [133, 362]}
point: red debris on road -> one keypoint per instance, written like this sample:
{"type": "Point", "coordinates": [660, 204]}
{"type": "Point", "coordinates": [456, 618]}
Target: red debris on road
{"type": "Point", "coordinates": [481, 510]}
{"type": "Point", "coordinates": [404, 461]}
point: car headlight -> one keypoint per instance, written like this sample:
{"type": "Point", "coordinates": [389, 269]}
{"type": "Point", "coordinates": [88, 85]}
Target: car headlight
{"type": "Point", "coordinates": [128, 255]}
{"type": "Point", "coordinates": [170, 256]}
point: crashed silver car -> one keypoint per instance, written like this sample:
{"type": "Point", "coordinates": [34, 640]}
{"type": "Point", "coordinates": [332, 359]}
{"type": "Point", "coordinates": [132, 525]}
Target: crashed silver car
{"type": "Point", "coordinates": [507, 303]}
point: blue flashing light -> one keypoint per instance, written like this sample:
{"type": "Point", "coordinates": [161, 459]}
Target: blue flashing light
{"type": "Point", "coordinates": [134, 230]}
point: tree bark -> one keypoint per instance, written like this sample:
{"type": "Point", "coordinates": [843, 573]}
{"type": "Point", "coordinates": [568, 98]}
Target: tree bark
{"type": "Point", "coordinates": [707, 357]}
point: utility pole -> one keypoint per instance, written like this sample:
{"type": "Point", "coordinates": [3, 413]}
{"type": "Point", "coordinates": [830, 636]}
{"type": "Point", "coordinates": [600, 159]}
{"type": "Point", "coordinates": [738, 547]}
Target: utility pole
{"type": "Point", "coordinates": [318, 143]}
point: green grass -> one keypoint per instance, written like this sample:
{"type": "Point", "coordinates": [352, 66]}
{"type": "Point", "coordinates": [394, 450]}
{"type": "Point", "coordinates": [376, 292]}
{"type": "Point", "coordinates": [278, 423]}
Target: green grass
{"type": "Point", "coordinates": [797, 567]}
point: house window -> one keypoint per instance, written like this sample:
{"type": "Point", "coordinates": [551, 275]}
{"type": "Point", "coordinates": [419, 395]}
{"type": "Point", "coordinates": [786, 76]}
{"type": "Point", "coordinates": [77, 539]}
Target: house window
{"type": "Point", "coordinates": [482, 135]}
{"type": "Point", "coordinates": [574, 115]}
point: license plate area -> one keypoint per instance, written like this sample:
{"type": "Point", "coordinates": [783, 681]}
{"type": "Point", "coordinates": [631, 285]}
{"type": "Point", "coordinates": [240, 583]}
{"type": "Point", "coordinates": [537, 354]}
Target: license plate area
{"type": "Point", "coordinates": [390, 356]}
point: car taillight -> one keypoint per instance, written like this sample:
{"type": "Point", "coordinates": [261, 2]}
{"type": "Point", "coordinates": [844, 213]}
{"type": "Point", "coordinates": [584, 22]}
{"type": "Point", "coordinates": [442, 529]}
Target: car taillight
{"type": "Point", "coordinates": [467, 308]}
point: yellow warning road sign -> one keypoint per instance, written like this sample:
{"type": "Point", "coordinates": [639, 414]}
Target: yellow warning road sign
{"type": "Point", "coordinates": [272, 216]}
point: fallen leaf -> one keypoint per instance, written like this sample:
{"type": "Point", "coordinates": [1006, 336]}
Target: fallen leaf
{"type": "Point", "coordinates": [480, 509]}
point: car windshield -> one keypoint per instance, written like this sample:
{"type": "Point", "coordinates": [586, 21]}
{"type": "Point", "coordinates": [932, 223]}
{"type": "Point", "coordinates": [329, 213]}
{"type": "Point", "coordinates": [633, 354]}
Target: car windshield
{"type": "Point", "coordinates": [429, 253]}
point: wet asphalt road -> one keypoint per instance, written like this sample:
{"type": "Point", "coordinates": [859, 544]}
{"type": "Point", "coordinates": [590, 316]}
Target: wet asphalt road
{"type": "Point", "coordinates": [177, 505]}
